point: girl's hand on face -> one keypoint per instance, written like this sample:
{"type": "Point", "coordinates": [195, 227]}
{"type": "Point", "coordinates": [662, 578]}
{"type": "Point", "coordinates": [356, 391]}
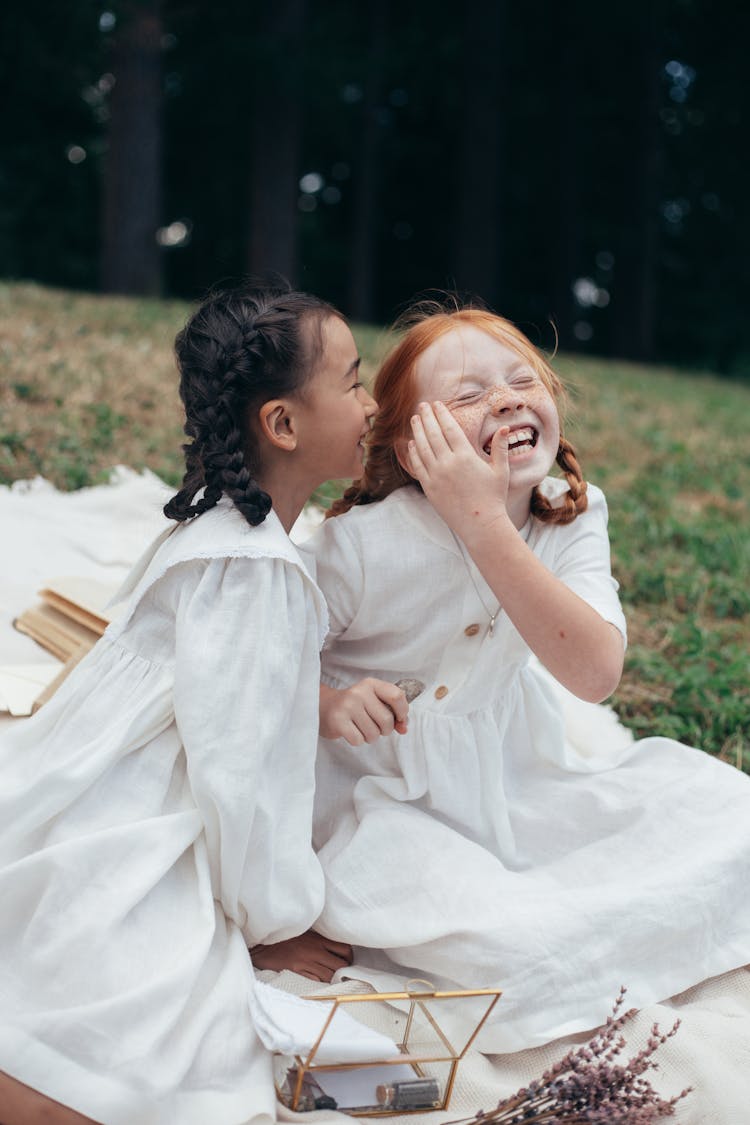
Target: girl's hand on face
{"type": "Point", "coordinates": [364, 712]}
{"type": "Point", "coordinates": [455, 478]}
{"type": "Point", "coordinates": [310, 955]}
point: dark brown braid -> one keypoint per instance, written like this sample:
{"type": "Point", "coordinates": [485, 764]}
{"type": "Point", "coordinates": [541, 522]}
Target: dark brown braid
{"type": "Point", "coordinates": [241, 348]}
{"type": "Point", "coordinates": [574, 501]}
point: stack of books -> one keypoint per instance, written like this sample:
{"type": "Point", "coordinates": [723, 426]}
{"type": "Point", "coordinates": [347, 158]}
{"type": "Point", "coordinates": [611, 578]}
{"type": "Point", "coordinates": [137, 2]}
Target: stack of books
{"type": "Point", "coordinates": [71, 616]}
{"type": "Point", "coordinates": [67, 621]}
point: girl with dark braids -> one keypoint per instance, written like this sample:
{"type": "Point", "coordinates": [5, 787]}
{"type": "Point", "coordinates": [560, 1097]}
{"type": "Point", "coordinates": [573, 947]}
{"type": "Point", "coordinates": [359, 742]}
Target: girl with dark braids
{"type": "Point", "coordinates": [155, 815]}
{"type": "Point", "coordinates": [515, 836]}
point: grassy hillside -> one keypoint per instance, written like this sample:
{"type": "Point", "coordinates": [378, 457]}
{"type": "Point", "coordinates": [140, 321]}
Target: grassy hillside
{"type": "Point", "coordinates": [87, 382]}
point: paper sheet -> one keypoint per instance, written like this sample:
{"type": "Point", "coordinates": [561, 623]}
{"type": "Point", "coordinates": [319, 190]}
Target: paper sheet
{"type": "Point", "coordinates": [292, 1025]}
{"type": "Point", "coordinates": [20, 684]}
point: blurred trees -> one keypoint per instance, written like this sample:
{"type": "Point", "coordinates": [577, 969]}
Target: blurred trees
{"type": "Point", "coordinates": [485, 48]}
{"type": "Point", "coordinates": [132, 164]}
{"type": "Point", "coordinates": [275, 135]}
{"type": "Point", "coordinates": [49, 180]}
{"type": "Point", "coordinates": [576, 163]}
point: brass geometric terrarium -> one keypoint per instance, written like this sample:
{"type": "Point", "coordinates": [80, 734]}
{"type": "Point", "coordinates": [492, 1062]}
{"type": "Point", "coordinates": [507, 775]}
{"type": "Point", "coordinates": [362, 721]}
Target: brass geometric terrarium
{"type": "Point", "coordinates": [384, 1053]}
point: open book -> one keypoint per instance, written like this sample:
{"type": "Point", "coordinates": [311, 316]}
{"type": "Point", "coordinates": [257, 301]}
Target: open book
{"type": "Point", "coordinates": [71, 614]}
{"type": "Point", "coordinates": [67, 621]}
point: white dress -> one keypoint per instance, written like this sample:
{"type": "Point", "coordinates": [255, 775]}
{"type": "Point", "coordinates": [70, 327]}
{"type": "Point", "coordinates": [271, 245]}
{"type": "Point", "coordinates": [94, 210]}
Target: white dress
{"type": "Point", "coordinates": [155, 821]}
{"type": "Point", "coordinates": [485, 847]}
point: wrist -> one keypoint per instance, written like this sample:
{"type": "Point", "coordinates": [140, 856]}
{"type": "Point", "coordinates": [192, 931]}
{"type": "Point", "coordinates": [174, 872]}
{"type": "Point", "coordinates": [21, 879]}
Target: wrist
{"type": "Point", "coordinates": [483, 523]}
{"type": "Point", "coordinates": [327, 698]}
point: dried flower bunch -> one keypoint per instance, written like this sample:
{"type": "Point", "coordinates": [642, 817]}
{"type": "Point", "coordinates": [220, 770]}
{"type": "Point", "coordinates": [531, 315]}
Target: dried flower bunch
{"type": "Point", "coordinates": [589, 1087]}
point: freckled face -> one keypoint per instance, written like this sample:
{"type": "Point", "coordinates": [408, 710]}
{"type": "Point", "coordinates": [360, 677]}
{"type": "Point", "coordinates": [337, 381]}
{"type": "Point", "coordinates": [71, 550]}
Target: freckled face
{"type": "Point", "coordinates": [486, 384]}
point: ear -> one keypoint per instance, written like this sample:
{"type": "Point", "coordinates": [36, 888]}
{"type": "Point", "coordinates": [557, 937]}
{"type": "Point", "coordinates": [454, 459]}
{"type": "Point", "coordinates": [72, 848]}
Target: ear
{"type": "Point", "coordinates": [277, 424]}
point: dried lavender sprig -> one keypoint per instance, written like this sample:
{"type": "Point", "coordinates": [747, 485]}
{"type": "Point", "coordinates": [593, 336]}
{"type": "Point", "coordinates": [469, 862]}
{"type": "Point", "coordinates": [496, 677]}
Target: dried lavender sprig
{"type": "Point", "coordinates": [588, 1087]}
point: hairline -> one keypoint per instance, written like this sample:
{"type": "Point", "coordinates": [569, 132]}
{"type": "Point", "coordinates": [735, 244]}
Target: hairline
{"type": "Point", "coordinates": [497, 328]}
{"type": "Point", "coordinates": [312, 343]}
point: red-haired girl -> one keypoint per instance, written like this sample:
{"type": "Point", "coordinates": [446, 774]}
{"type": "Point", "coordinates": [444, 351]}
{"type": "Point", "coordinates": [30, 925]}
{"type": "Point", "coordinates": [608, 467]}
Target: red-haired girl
{"type": "Point", "coordinates": [483, 846]}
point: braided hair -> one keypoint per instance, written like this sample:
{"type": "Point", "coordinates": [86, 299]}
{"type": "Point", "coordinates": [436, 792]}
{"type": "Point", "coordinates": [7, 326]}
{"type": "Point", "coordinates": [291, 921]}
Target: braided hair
{"type": "Point", "coordinates": [395, 392]}
{"type": "Point", "coordinates": [241, 348]}
{"type": "Point", "coordinates": [572, 502]}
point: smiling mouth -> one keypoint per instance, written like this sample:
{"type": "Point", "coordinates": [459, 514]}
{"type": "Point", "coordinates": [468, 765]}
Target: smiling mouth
{"type": "Point", "coordinates": [518, 440]}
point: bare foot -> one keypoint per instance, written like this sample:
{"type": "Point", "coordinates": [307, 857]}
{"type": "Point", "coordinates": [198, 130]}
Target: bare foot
{"type": "Point", "coordinates": [310, 955]}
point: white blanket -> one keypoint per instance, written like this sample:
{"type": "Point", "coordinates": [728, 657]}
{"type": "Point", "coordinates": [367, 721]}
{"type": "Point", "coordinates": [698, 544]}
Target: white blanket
{"type": "Point", "coordinates": [99, 532]}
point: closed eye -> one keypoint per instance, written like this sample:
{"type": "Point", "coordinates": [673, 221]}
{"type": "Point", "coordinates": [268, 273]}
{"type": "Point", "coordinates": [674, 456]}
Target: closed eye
{"type": "Point", "coordinates": [524, 377]}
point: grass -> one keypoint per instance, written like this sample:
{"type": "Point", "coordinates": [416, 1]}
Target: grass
{"type": "Point", "coordinates": [670, 450]}
{"type": "Point", "coordinates": [87, 382]}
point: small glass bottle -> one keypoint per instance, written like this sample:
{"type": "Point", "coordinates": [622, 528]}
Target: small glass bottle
{"type": "Point", "coordinates": [416, 1093]}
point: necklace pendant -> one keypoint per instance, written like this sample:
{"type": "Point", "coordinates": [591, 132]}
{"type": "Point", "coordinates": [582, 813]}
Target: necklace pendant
{"type": "Point", "coordinates": [492, 624]}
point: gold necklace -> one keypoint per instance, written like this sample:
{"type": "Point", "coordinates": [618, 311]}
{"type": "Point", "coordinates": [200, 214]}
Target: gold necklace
{"type": "Point", "coordinates": [524, 532]}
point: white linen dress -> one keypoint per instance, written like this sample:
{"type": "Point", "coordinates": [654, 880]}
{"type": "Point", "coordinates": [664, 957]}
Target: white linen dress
{"type": "Point", "coordinates": [486, 847]}
{"type": "Point", "coordinates": [155, 821]}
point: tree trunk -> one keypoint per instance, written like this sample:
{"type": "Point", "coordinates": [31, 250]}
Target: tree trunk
{"type": "Point", "coordinates": [478, 226]}
{"type": "Point", "coordinates": [131, 212]}
{"type": "Point", "coordinates": [565, 204]}
{"type": "Point", "coordinates": [367, 173]}
{"type": "Point", "coordinates": [276, 139]}
{"type": "Point", "coordinates": [637, 255]}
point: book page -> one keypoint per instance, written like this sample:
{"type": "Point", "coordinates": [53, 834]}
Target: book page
{"type": "Point", "coordinates": [59, 634]}
{"type": "Point", "coordinates": [21, 684]}
{"type": "Point", "coordinates": [83, 599]}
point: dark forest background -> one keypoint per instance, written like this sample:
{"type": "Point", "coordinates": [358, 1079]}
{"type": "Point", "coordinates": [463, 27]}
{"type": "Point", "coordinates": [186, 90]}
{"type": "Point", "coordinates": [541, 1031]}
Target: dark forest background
{"type": "Point", "coordinates": [583, 164]}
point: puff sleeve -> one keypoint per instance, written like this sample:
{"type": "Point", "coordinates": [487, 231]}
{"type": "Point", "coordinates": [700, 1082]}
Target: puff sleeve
{"type": "Point", "coordinates": [246, 708]}
{"type": "Point", "coordinates": [582, 560]}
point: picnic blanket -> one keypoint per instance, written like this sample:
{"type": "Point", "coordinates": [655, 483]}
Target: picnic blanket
{"type": "Point", "coordinates": [98, 532]}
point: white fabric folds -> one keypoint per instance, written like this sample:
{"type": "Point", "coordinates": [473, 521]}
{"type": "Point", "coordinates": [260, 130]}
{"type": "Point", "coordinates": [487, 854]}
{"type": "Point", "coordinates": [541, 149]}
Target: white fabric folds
{"type": "Point", "coordinates": [155, 821]}
{"type": "Point", "coordinates": [294, 1026]}
{"type": "Point", "coordinates": [488, 847]}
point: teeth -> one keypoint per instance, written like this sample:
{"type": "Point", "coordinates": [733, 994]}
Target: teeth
{"type": "Point", "coordinates": [520, 435]}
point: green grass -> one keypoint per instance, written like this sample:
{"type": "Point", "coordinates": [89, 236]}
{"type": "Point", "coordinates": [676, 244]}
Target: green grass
{"type": "Point", "coordinates": [670, 450]}
{"type": "Point", "coordinates": [87, 382]}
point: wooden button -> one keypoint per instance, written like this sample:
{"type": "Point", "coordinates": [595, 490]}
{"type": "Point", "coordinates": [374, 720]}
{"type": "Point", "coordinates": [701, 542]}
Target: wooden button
{"type": "Point", "coordinates": [471, 630]}
{"type": "Point", "coordinates": [441, 692]}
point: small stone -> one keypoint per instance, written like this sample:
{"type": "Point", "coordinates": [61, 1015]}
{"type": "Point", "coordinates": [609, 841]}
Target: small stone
{"type": "Point", "coordinates": [410, 688]}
